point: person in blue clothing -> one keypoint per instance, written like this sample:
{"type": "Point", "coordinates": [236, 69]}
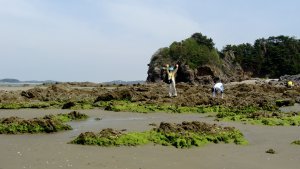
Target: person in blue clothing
{"type": "Point", "coordinates": [218, 88]}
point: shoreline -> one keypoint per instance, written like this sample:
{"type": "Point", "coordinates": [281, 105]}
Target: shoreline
{"type": "Point", "coordinates": [52, 151]}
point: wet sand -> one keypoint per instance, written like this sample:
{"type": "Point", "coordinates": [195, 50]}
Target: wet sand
{"type": "Point", "coordinates": [51, 151]}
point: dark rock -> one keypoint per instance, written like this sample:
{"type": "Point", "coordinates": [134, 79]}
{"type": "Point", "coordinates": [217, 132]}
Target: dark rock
{"type": "Point", "coordinates": [194, 126]}
{"type": "Point", "coordinates": [285, 102]}
{"type": "Point", "coordinates": [294, 78]}
{"type": "Point", "coordinates": [109, 132]}
{"type": "Point", "coordinates": [11, 120]}
{"type": "Point", "coordinates": [75, 115]}
{"type": "Point", "coordinates": [98, 118]}
{"type": "Point", "coordinates": [68, 105]}
{"type": "Point", "coordinates": [271, 151]}
{"type": "Point", "coordinates": [27, 94]}
{"type": "Point", "coordinates": [117, 94]}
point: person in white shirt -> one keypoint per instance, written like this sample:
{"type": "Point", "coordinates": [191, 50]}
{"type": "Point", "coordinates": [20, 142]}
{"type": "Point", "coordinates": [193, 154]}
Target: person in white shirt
{"type": "Point", "coordinates": [219, 88]}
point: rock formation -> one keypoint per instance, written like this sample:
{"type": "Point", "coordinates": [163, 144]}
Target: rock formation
{"type": "Point", "coordinates": [227, 70]}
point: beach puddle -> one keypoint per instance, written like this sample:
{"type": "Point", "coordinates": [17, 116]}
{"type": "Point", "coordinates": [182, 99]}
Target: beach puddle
{"type": "Point", "coordinates": [96, 124]}
{"type": "Point", "coordinates": [294, 108]}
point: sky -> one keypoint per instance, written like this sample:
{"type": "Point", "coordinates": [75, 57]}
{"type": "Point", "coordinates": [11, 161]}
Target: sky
{"type": "Point", "coordinates": [105, 40]}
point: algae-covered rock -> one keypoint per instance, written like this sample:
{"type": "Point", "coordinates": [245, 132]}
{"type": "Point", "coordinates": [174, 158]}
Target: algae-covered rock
{"type": "Point", "coordinates": [285, 102]}
{"type": "Point", "coordinates": [182, 135]}
{"type": "Point", "coordinates": [270, 151]}
{"type": "Point", "coordinates": [47, 124]}
{"type": "Point", "coordinates": [36, 125]}
{"type": "Point", "coordinates": [198, 60]}
{"type": "Point", "coordinates": [296, 142]}
{"type": "Point", "coordinates": [68, 105]}
{"type": "Point", "coordinates": [118, 94]}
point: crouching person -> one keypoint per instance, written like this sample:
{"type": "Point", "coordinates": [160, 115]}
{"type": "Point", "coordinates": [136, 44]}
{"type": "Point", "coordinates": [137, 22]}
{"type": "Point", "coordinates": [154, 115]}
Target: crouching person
{"type": "Point", "coordinates": [218, 88]}
{"type": "Point", "coordinates": [290, 84]}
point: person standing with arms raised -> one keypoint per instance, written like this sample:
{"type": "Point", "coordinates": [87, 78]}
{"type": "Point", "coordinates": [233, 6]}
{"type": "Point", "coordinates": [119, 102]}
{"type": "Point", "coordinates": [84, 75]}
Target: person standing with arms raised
{"type": "Point", "coordinates": [171, 80]}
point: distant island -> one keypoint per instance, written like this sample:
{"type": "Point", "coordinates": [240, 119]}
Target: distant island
{"type": "Point", "coordinates": [118, 82]}
{"type": "Point", "coordinates": [114, 82]}
{"type": "Point", "coordinates": [10, 80]}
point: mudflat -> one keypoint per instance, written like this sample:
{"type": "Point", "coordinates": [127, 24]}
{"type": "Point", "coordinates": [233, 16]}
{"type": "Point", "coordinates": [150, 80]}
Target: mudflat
{"type": "Point", "coordinates": [52, 151]}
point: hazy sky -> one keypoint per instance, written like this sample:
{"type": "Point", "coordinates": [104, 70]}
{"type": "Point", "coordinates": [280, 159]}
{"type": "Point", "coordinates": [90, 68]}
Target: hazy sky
{"type": "Point", "coordinates": [104, 40]}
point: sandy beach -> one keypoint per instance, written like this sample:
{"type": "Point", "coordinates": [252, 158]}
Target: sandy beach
{"type": "Point", "coordinates": [51, 151]}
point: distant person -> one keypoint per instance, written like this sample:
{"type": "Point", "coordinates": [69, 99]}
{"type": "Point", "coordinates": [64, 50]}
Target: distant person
{"type": "Point", "coordinates": [218, 88]}
{"type": "Point", "coordinates": [171, 72]}
{"type": "Point", "coordinates": [290, 84]}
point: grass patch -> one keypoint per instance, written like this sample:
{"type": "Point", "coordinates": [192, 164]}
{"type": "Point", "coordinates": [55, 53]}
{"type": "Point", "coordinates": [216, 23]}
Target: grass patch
{"type": "Point", "coordinates": [46, 124]}
{"type": "Point", "coordinates": [185, 135]}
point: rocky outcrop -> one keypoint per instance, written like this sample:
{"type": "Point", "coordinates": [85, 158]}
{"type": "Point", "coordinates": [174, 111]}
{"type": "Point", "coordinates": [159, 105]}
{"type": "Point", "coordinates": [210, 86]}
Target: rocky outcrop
{"type": "Point", "coordinates": [294, 78]}
{"type": "Point", "coordinates": [227, 70]}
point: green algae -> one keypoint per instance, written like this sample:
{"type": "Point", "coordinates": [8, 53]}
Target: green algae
{"type": "Point", "coordinates": [74, 115]}
{"type": "Point", "coordinates": [34, 105]}
{"type": "Point", "coordinates": [178, 136]}
{"type": "Point", "coordinates": [261, 117]}
{"type": "Point", "coordinates": [123, 105]}
{"type": "Point", "coordinates": [49, 105]}
{"type": "Point", "coordinates": [128, 106]}
{"type": "Point", "coordinates": [46, 124]}
{"type": "Point", "coordinates": [253, 115]}
{"type": "Point", "coordinates": [296, 142]}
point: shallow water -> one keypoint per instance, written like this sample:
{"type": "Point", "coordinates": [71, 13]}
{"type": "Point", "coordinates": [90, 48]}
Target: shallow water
{"type": "Point", "coordinates": [295, 108]}
{"type": "Point", "coordinates": [51, 151]}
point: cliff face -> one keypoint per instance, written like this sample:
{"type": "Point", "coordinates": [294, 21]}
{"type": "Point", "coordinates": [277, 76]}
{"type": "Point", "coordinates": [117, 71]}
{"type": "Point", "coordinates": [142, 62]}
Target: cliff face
{"type": "Point", "coordinates": [225, 69]}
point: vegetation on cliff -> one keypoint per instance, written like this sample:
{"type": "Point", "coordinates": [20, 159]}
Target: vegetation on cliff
{"type": "Point", "coordinates": [193, 52]}
{"type": "Point", "coordinates": [271, 57]}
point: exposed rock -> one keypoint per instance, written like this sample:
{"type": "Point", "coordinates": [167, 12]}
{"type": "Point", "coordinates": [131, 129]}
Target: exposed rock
{"type": "Point", "coordinates": [294, 78]}
{"type": "Point", "coordinates": [122, 94]}
{"type": "Point", "coordinates": [47, 124]}
{"type": "Point", "coordinates": [68, 105]}
{"type": "Point", "coordinates": [270, 151]}
{"type": "Point", "coordinates": [74, 115]}
{"type": "Point", "coordinates": [11, 120]}
{"type": "Point", "coordinates": [194, 126]}
{"type": "Point", "coordinates": [109, 132]}
{"type": "Point", "coordinates": [227, 70]}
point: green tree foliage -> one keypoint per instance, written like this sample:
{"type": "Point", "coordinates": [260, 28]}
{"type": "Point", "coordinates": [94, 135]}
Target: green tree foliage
{"type": "Point", "coordinates": [245, 55]}
{"type": "Point", "coordinates": [270, 57]}
{"type": "Point", "coordinates": [203, 40]}
{"type": "Point", "coordinates": [194, 51]}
